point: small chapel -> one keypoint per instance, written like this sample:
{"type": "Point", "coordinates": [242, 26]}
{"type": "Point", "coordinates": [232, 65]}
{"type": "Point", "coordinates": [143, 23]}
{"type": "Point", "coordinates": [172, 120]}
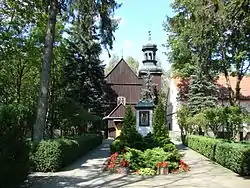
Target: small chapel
{"type": "Point", "coordinates": [125, 87]}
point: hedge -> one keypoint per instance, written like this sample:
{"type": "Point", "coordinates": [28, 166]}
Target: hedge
{"type": "Point", "coordinates": [14, 150]}
{"type": "Point", "coordinates": [53, 155]}
{"type": "Point", "coordinates": [234, 156]}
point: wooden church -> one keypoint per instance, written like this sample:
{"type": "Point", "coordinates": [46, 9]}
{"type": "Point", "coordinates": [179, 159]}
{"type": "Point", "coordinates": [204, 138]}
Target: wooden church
{"type": "Point", "coordinates": [125, 86]}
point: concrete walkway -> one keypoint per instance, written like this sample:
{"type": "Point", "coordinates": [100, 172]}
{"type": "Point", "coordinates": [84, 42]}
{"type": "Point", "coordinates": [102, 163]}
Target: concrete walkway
{"type": "Point", "coordinates": [86, 172]}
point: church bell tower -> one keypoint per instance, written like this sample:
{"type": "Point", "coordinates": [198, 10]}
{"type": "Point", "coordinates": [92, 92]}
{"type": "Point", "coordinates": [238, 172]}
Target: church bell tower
{"type": "Point", "coordinates": [149, 63]}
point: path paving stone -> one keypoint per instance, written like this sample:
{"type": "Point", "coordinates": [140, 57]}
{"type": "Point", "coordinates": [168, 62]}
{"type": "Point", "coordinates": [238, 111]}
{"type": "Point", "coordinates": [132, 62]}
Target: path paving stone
{"type": "Point", "coordinates": [87, 173]}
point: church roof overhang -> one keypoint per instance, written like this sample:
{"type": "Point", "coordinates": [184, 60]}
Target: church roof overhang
{"type": "Point", "coordinates": [149, 47]}
{"type": "Point", "coordinates": [145, 103]}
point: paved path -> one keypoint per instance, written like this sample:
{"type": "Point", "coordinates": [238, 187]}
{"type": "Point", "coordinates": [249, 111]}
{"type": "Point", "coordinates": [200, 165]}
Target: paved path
{"type": "Point", "coordinates": [86, 172]}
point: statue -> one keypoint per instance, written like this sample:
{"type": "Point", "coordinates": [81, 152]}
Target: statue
{"type": "Point", "coordinates": [148, 91]}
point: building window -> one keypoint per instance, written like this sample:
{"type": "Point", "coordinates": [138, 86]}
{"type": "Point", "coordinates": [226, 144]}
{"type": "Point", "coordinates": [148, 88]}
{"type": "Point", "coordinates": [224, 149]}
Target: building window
{"type": "Point", "coordinates": [150, 56]}
{"type": "Point", "coordinates": [121, 100]}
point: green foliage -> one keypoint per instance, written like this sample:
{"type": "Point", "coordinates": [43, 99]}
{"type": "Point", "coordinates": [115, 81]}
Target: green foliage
{"type": "Point", "coordinates": [202, 93]}
{"type": "Point", "coordinates": [146, 172]}
{"type": "Point", "coordinates": [159, 121]}
{"type": "Point", "coordinates": [135, 158]}
{"type": "Point", "coordinates": [117, 145]}
{"type": "Point", "coordinates": [210, 36]}
{"type": "Point", "coordinates": [183, 114]}
{"type": "Point", "coordinates": [234, 156]}
{"type": "Point", "coordinates": [169, 147]}
{"type": "Point", "coordinates": [129, 124]}
{"type": "Point", "coordinates": [52, 155]}
{"type": "Point", "coordinates": [14, 151]}
{"type": "Point", "coordinates": [204, 145]}
{"type": "Point", "coordinates": [152, 156]}
{"type": "Point", "coordinates": [227, 120]}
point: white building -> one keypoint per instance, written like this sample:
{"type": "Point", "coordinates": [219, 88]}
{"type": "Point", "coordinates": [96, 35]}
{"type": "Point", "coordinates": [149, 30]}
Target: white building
{"type": "Point", "coordinates": [174, 104]}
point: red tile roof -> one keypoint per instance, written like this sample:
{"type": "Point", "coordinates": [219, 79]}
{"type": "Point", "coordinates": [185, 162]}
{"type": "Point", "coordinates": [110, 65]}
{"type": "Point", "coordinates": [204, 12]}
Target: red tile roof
{"type": "Point", "coordinates": [244, 85]}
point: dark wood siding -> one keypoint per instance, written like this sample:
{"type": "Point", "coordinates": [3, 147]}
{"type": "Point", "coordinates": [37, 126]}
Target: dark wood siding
{"type": "Point", "coordinates": [119, 112]}
{"type": "Point", "coordinates": [123, 74]}
{"type": "Point", "coordinates": [132, 93]}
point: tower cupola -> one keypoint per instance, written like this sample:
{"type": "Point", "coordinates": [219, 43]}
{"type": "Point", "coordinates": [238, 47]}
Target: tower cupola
{"type": "Point", "coordinates": [149, 62]}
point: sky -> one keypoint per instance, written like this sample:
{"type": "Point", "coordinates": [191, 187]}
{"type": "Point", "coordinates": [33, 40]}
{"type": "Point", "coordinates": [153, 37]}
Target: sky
{"type": "Point", "coordinates": [137, 18]}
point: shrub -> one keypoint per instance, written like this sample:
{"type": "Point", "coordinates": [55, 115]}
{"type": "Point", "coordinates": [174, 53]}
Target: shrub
{"type": "Point", "coordinates": [153, 156]}
{"type": "Point", "coordinates": [159, 121]}
{"type": "Point", "coordinates": [129, 123]}
{"type": "Point", "coordinates": [135, 158]}
{"type": "Point", "coordinates": [146, 172]}
{"type": "Point", "coordinates": [14, 151]}
{"type": "Point", "coordinates": [204, 145]}
{"type": "Point", "coordinates": [169, 147]}
{"type": "Point", "coordinates": [52, 155]}
{"type": "Point", "coordinates": [116, 146]}
{"type": "Point", "coordinates": [234, 156]}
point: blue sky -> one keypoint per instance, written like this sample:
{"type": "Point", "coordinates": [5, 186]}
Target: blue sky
{"type": "Point", "coordinates": [137, 17]}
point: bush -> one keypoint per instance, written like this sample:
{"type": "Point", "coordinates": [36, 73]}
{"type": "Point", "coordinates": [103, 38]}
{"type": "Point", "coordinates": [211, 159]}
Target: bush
{"type": "Point", "coordinates": [169, 147]}
{"type": "Point", "coordinates": [129, 123]}
{"type": "Point", "coordinates": [117, 145]}
{"type": "Point", "coordinates": [204, 145]}
{"type": "Point", "coordinates": [146, 172]}
{"type": "Point", "coordinates": [159, 121]}
{"type": "Point", "coordinates": [14, 151]}
{"type": "Point", "coordinates": [135, 158]}
{"type": "Point", "coordinates": [234, 156]}
{"type": "Point", "coordinates": [52, 155]}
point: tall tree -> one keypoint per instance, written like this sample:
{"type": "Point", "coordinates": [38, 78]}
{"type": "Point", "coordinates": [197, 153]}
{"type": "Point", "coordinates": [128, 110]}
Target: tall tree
{"type": "Point", "coordinates": [213, 33]}
{"type": "Point", "coordinates": [103, 9]}
{"type": "Point", "coordinates": [202, 93]}
{"type": "Point", "coordinates": [133, 63]}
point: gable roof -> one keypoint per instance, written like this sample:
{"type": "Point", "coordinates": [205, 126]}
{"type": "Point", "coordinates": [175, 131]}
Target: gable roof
{"type": "Point", "coordinates": [120, 71]}
{"type": "Point", "coordinates": [221, 82]}
{"type": "Point", "coordinates": [117, 112]}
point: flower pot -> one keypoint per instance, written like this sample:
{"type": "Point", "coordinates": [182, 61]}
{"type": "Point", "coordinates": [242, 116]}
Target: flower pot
{"type": "Point", "coordinates": [163, 170]}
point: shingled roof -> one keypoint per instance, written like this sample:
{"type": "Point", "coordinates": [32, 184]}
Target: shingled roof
{"type": "Point", "coordinates": [221, 82]}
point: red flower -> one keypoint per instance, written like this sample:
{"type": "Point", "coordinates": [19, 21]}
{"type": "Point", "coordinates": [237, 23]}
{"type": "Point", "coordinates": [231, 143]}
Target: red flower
{"type": "Point", "coordinates": [124, 163]}
{"type": "Point", "coordinates": [124, 150]}
{"type": "Point", "coordinates": [162, 164]}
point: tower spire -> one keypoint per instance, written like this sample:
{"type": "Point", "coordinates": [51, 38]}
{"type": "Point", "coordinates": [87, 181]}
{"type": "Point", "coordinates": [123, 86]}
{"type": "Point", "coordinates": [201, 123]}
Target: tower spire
{"type": "Point", "coordinates": [149, 35]}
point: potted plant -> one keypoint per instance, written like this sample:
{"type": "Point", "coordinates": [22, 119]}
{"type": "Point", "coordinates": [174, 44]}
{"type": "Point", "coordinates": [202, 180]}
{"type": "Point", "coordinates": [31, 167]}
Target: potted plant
{"type": "Point", "coordinates": [162, 168]}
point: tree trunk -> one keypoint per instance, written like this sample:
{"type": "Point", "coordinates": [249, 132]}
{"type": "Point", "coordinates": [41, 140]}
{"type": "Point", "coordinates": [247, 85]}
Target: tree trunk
{"type": "Point", "coordinates": [45, 74]}
{"type": "Point", "coordinates": [237, 88]}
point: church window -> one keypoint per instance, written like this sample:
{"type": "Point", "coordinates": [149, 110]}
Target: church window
{"type": "Point", "coordinates": [150, 56]}
{"type": "Point", "coordinates": [121, 100]}
{"type": "Point", "coordinates": [146, 56]}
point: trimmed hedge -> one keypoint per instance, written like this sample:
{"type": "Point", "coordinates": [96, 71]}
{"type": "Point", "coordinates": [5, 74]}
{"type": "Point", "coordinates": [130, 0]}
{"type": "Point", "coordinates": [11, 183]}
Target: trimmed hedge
{"type": "Point", "coordinates": [234, 156]}
{"type": "Point", "coordinates": [14, 150]}
{"type": "Point", "coordinates": [52, 155]}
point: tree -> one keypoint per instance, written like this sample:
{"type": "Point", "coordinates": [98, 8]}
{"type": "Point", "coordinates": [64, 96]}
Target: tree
{"type": "Point", "coordinates": [213, 33]}
{"type": "Point", "coordinates": [202, 93]}
{"type": "Point", "coordinates": [129, 124]}
{"type": "Point", "coordinates": [103, 9]}
{"type": "Point", "coordinates": [133, 63]}
{"type": "Point", "coordinates": [159, 121]}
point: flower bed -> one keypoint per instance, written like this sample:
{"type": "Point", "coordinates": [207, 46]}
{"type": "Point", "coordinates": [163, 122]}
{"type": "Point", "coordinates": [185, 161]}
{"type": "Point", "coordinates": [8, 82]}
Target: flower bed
{"type": "Point", "coordinates": [153, 161]}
